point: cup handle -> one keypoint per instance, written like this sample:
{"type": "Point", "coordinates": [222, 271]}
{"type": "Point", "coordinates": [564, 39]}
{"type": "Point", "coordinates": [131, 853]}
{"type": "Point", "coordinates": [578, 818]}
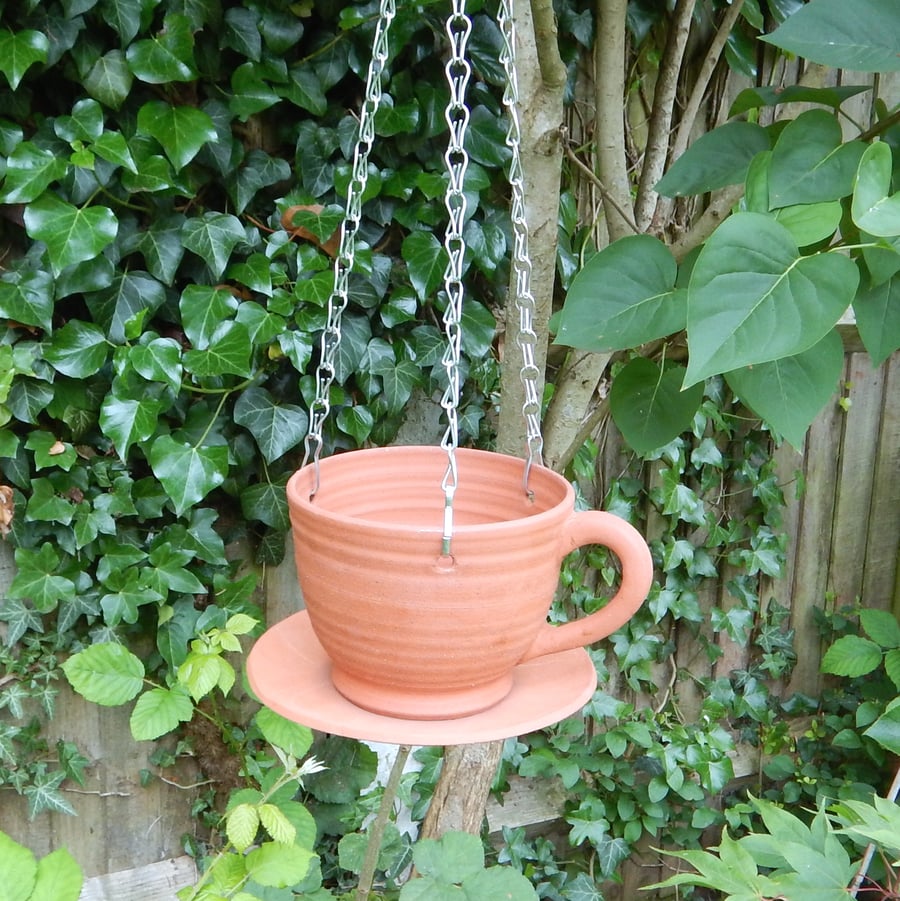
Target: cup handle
{"type": "Point", "coordinates": [597, 527]}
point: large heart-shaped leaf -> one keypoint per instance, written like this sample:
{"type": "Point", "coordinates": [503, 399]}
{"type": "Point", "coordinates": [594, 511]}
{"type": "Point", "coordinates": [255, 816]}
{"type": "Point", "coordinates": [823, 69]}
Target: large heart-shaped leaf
{"type": "Point", "coordinates": [71, 234]}
{"type": "Point", "coordinates": [624, 296]}
{"type": "Point", "coordinates": [874, 209]}
{"type": "Point", "coordinates": [648, 405]}
{"type": "Point", "coordinates": [753, 98]}
{"type": "Point", "coordinates": [275, 427]}
{"type": "Point", "coordinates": [18, 51]}
{"type": "Point", "coordinates": [714, 160]}
{"type": "Point", "coordinates": [187, 473]}
{"type": "Point", "coordinates": [753, 298]}
{"type": "Point", "coordinates": [877, 310]}
{"type": "Point", "coordinates": [861, 35]}
{"type": "Point", "coordinates": [789, 393]}
{"type": "Point", "coordinates": [181, 130]}
{"type": "Point", "coordinates": [158, 712]}
{"type": "Point", "coordinates": [810, 163]}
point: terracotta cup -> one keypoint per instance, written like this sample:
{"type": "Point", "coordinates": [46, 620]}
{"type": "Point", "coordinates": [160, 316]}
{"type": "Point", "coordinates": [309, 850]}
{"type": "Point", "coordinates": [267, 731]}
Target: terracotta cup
{"type": "Point", "coordinates": [418, 635]}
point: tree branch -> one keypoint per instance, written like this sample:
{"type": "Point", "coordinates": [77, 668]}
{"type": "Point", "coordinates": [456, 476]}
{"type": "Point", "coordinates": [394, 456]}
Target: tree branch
{"type": "Point", "coordinates": [553, 69]}
{"type": "Point", "coordinates": [709, 221]}
{"type": "Point", "coordinates": [663, 109]}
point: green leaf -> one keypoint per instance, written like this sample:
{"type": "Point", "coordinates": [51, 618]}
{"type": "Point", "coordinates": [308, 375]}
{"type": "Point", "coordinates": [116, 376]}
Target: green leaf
{"type": "Point", "coordinates": [169, 56]}
{"type": "Point", "coordinates": [71, 234]}
{"type": "Point", "coordinates": [181, 130]}
{"type": "Point", "coordinates": [426, 261]}
{"type": "Point", "coordinates": [283, 733]}
{"type": "Point", "coordinates": [85, 124]}
{"type": "Point", "coordinates": [212, 237]}
{"type": "Point", "coordinates": [276, 428]}
{"type": "Point", "coordinates": [159, 360]}
{"type": "Point", "coordinates": [126, 421]}
{"type": "Point", "coordinates": [19, 51]}
{"type": "Point", "coordinates": [478, 328]}
{"type": "Point", "coordinates": [127, 303]}
{"type": "Point", "coordinates": [873, 209]}
{"type": "Point", "coordinates": [43, 794]}
{"type": "Point", "coordinates": [59, 878]}
{"type": "Point", "coordinates": [28, 298]}
{"type": "Point", "coordinates": [810, 163]}
{"type": "Point", "coordinates": [109, 80]}
{"type": "Point", "coordinates": [267, 502]}
{"type": "Point", "coordinates": [753, 98]}
{"type": "Point", "coordinates": [499, 882]}
{"type": "Point", "coordinates": [426, 888]}
{"type": "Point", "coordinates": [187, 473]}
{"type": "Point", "coordinates": [78, 350]}
{"type": "Point", "coordinates": [277, 865]}
{"type": "Point", "coordinates": [107, 674]}
{"type": "Point", "coordinates": [454, 857]}
{"type": "Point", "coordinates": [716, 159]}
{"type": "Point", "coordinates": [158, 712]}
{"type": "Point", "coordinates": [753, 298]}
{"type": "Point", "coordinates": [18, 869]}
{"type": "Point", "coordinates": [161, 247]}
{"type": "Point", "coordinates": [851, 655]}
{"type": "Point", "coordinates": [789, 393]}
{"type": "Point", "coordinates": [36, 579]}
{"type": "Point", "coordinates": [202, 311]}
{"type": "Point", "coordinates": [30, 170]}
{"type": "Point", "coordinates": [624, 296]}
{"type": "Point", "coordinates": [648, 405]}
{"type": "Point", "coordinates": [305, 89]}
{"type": "Point", "coordinates": [863, 36]}
{"type": "Point", "coordinates": [241, 825]}
{"type": "Point", "coordinates": [394, 119]}
{"type": "Point", "coordinates": [881, 626]}
{"type": "Point", "coordinates": [228, 353]}
{"type": "Point", "coordinates": [112, 147]}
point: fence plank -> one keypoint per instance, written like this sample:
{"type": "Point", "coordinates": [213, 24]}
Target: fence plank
{"type": "Point", "coordinates": [153, 882]}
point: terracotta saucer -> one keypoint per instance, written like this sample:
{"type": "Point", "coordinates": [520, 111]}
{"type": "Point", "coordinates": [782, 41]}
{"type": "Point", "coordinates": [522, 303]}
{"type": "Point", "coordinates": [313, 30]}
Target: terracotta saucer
{"type": "Point", "coordinates": [290, 672]}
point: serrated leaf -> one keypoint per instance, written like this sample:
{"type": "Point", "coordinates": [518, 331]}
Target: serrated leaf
{"type": "Point", "coordinates": [277, 865]}
{"type": "Point", "coordinates": [276, 428]}
{"type": "Point", "coordinates": [241, 825]}
{"type": "Point", "coordinates": [78, 350]}
{"type": "Point", "coordinates": [789, 393]}
{"type": "Point", "coordinates": [181, 130]}
{"type": "Point", "coordinates": [212, 237]}
{"type": "Point", "coordinates": [158, 712]}
{"type": "Point", "coordinates": [851, 655]}
{"type": "Point", "coordinates": [892, 666]}
{"type": "Point", "coordinates": [499, 882]}
{"type": "Point", "coordinates": [169, 56]}
{"type": "Point", "coordinates": [59, 878]}
{"type": "Point", "coordinates": [648, 405]}
{"type": "Point", "coordinates": [19, 51]}
{"type": "Point", "coordinates": [282, 732]}
{"type": "Point", "coordinates": [278, 826]}
{"type": "Point", "coordinates": [71, 234]}
{"type": "Point", "coordinates": [107, 674]}
{"type": "Point", "coordinates": [886, 730]}
{"type": "Point", "coordinates": [18, 869]}
{"type": "Point", "coordinates": [187, 473]}
{"type": "Point", "coordinates": [624, 296]}
{"type": "Point", "coordinates": [881, 626]}
{"type": "Point", "coordinates": [874, 209]}
{"type": "Point", "coordinates": [753, 298]}
{"type": "Point", "coordinates": [454, 857]}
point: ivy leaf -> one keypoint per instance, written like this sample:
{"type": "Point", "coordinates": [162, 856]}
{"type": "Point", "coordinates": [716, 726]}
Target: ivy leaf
{"type": "Point", "coordinates": [159, 360]}
{"type": "Point", "coordinates": [276, 427]}
{"type": "Point", "coordinates": [109, 80]}
{"type": "Point", "coordinates": [789, 393]}
{"type": "Point", "coordinates": [305, 89]}
{"type": "Point", "coordinates": [187, 473]}
{"type": "Point", "coordinates": [29, 172]}
{"type": "Point", "coordinates": [78, 350]}
{"type": "Point", "coordinates": [873, 209]}
{"type": "Point", "coordinates": [107, 674]}
{"type": "Point", "coordinates": [852, 655]}
{"type": "Point", "coordinates": [228, 353]}
{"type": "Point", "coordinates": [124, 17]}
{"type": "Point", "coordinates": [624, 296]}
{"type": "Point", "coordinates": [127, 421]}
{"type": "Point", "coordinates": [356, 421]}
{"type": "Point", "coordinates": [426, 261]}
{"type": "Point", "coordinates": [648, 405]}
{"type": "Point", "coordinates": [212, 237]}
{"type": "Point", "coordinates": [716, 159]}
{"type": "Point", "coordinates": [753, 298]}
{"type": "Point", "coordinates": [810, 163]}
{"type": "Point", "coordinates": [85, 124]}
{"type": "Point", "coordinates": [27, 297]}
{"type": "Point", "coordinates": [267, 502]}
{"type": "Point", "coordinates": [162, 249]}
{"type": "Point", "coordinates": [181, 130]}
{"type": "Point", "coordinates": [43, 794]}
{"type": "Point", "coordinates": [36, 579]}
{"type": "Point", "coordinates": [169, 56]}
{"type": "Point", "coordinates": [19, 51]}
{"type": "Point", "coordinates": [19, 618]}
{"type": "Point", "coordinates": [202, 311]}
{"type": "Point", "coordinates": [158, 712]}
{"type": "Point", "coordinates": [398, 378]}
{"type": "Point", "coordinates": [71, 234]}
{"type": "Point", "coordinates": [122, 307]}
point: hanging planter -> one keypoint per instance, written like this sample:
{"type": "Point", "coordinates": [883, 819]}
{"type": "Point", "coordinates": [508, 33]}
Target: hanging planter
{"type": "Point", "coordinates": [415, 633]}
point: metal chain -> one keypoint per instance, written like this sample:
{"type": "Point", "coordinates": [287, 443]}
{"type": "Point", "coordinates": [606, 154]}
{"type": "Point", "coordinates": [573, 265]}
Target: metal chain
{"type": "Point", "coordinates": [343, 261]}
{"type": "Point", "coordinates": [521, 261]}
{"type": "Point", "coordinates": [456, 159]}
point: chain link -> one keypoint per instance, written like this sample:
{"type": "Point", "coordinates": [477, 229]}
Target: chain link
{"type": "Point", "coordinates": [456, 159]}
{"type": "Point", "coordinates": [343, 261]}
{"type": "Point", "coordinates": [521, 261]}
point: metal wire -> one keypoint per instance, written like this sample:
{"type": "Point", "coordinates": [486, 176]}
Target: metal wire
{"type": "Point", "coordinates": [521, 261]}
{"type": "Point", "coordinates": [456, 159]}
{"type": "Point", "coordinates": [343, 262]}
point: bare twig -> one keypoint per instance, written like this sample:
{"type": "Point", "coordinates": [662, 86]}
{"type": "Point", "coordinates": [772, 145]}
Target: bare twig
{"type": "Point", "coordinates": [175, 784]}
{"type": "Point", "coordinates": [663, 109]}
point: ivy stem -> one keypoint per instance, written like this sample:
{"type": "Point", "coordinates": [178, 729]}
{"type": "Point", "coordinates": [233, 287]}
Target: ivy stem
{"type": "Point", "coordinates": [376, 830]}
{"type": "Point", "coordinates": [212, 421]}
